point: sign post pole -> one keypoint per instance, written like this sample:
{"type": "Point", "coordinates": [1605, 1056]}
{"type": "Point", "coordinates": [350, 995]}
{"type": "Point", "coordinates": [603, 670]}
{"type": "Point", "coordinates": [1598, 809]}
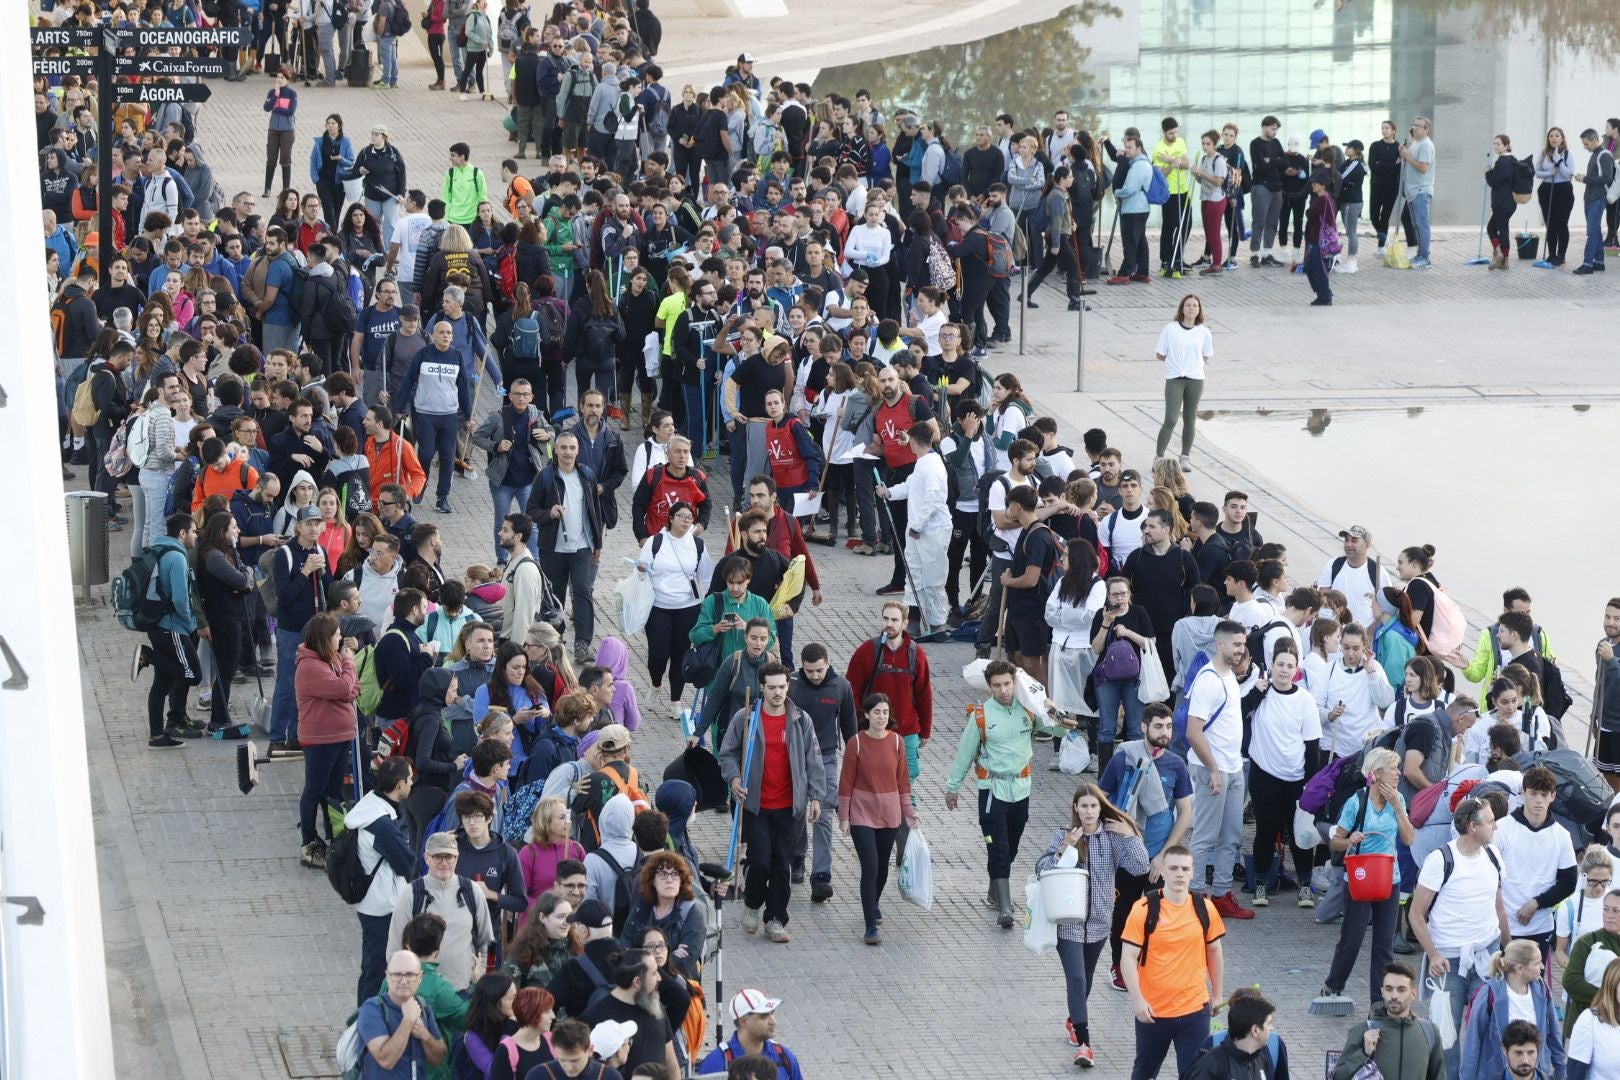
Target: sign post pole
{"type": "Point", "coordinates": [104, 170]}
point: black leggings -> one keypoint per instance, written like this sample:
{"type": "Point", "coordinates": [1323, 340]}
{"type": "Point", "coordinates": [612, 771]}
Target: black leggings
{"type": "Point", "coordinates": [228, 635]}
{"type": "Point", "coordinates": [668, 641]}
{"type": "Point", "coordinates": [841, 493]}
{"type": "Point", "coordinates": [874, 847]}
{"type": "Point", "coordinates": [436, 51]}
{"type": "Point", "coordinates": [1557, 200]}
{"type": "Point", "coordinates": [1293, 209]}
{"type": "Point", "coordinates": [473, 68]}
{"type": "Point", "coordinates": [1497, 230]}
{"type": "Point", "coordinates": [1383, 204]}
{"type": "Point", "coordinates": [1274, 801]}
{"type": "Point", "coordinates": [1063, 258]}
{"type": "Point", "coordinates": [965, 540]}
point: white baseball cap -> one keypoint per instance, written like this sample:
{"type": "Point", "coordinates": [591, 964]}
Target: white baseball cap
{"type": "Point", "coordinates": [748, 1001]}
{"type": "Point", "coordinates": [608, 1037]}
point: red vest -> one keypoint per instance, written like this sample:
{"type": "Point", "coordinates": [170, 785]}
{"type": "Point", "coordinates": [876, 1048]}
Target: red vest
{"type": "Point", "coordinates": [669, 490]}
{"type": "Point", "coordinates": [892, 422]}
{"type": "Point", "coordinates": [788, 467]}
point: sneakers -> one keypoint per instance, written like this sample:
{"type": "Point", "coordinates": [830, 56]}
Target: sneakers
{"type": "Point", "coordinates": [313, 855]}
{"type": "Point", "coordinates": [1580, 271]}
{"type": "Point", "coordinates": [205, 699]}
{"type": "Point", "coordinates": [821, 891]}
{"type": "Point", "coordinates": [1186, 463]}
{"type": "Point", "coordinates": [1307, 899]}
{"type": "Point", "coordinates": [891, 589]}
{"type": "Point", "coordinates": [582, 652]}
{"type": "Point", "coordinates": [1254, 261]}
{"type": "Point", "coordinates": [1260, 900]}
{"type": "Point", "coordinates": [184, 729]}
{"type": "Point", "coordinates": [1119, 279]}
{"type": "Point", "coordinates": [163, 742]}
{"type": "Point", "coordinates": [862, 547]}
{"type": "Point", "coordinates": [750, 920]}
{"type": "Point", "coordinates": [776, 932]}
{"type": "Point", "coordinates": [980, 353]}
{"type": "Point", "coordinates": [139, 661]}
{"type": "Point", "coordinates": [1420, 264]}
{"type": "Point", "coordinates": [1115, 979]}
{"type": "Point", "coordinates": [1228, 906]}
{"type": "Point", "coordinates": [1084, 1058]}
{"type": "Point", "coordinates": [873, 936]}
{"type": "Point", "coordinates": [1378, 253]}
{"type": "Point", "coordinates": [1142, 279]}
{"type": "Point", "coordinates": [1068, 1028]}
{"type": "Point", "coordinates": [442, 506]}
{"type": "Point", "coordinates": [796, 876]}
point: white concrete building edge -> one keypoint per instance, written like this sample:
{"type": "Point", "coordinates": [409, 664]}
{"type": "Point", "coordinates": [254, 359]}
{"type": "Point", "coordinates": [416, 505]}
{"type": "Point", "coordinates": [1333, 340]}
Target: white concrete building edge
{"type": "Point", "coordinates": [54, 974]}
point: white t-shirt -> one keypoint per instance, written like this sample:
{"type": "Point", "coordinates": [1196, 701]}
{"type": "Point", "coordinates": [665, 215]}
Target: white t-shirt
{"type": "Point", "coordinates": [1355, 582]}
{"type": "Point", "coordinates": [1531, 860]}
{"type": "Point", "coordinates": [1464, 910]}
{"type": "Point", "coordinates": [930, 325]}
{"type": "Point", "coordinates": [1184, 350]}
{"type": "Point", "coordinates": [1279, 730]}
{"type": "Point", "coordinates": [1059, 461]}
{"type": "Point", "coordinates": [1215, 697]}
{"type": "Point", "coordinates": [1597, 1044]}
{"type": "Point", "coordinates": [1579, 914]}
{"type": "Point", "coordinates": [1121, 533]}
{"type": "Point", "coordinates": [996, 503]}
{"type": "Point", "coordinates": [406, 233]}
{"type": "Point", "coordinates": [1255, 612]}
{"type": "Point", "coordinates": [1520, 1006]}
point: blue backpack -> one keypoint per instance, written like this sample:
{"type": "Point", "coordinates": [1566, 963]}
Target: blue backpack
{"type": "Point", "coordinates": [524, 341]}
{"type": "Point", "coordinates": [1158, 189]}
{"type": "Point", "coordinates": [1199, 662]}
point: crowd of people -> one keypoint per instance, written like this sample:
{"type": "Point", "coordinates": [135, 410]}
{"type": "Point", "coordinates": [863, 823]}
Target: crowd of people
{"type": "Point", "coordinates": [806, 286]}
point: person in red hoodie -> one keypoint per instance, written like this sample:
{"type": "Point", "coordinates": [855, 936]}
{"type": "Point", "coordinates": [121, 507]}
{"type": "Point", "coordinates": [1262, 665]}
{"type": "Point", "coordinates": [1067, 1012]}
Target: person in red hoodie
{"type": "Point", "coordinates": [893, 664]}
{"type": "Point", "coordinates": [326, 687]}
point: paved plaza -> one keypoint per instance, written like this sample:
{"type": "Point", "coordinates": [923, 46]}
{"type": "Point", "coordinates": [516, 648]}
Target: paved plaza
{"type": "Point", "coordinates": [228, 960]}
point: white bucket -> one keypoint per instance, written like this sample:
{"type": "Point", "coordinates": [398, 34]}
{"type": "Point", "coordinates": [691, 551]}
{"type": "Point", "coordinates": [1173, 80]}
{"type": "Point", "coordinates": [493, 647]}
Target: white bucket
{"type": "Point", "coordinates": [1066, 894]}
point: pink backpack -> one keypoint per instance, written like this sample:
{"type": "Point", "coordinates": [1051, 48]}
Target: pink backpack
{"type": "Point", "coordinates": [1449, 624]}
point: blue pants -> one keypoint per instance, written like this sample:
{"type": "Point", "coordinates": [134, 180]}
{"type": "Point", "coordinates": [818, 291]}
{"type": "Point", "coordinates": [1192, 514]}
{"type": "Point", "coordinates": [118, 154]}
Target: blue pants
{"type": "Point", "coordinates": [502, 495]}
{"type": "Point", "coordinates": [388, 56]}
{"type": "Point", "coordinates": [323, 776]}
{"type": "Point", "coordinates": [1153, 1042]}
{"type": "Point", "coordinates": [1461, 990]}
{"type": "Point", "coordinates": [694, 427]}
{"type": "Point", "coordinates": [1419, 206]}
{"type": "Point", "coordinates": [284, 704]}
{"type": "Point", "coordinates": [1111, 695]}
{"type": "Point", "coordinates": [373, 955]}
{"type": "Point", "coordinates": [1593, 256]}
{"type": "Point", "coordinates": [1316, 272]}
{"type": "Point", "coordinates": [436, 432]}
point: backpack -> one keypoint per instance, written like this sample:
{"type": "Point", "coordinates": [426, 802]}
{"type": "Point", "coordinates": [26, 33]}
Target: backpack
{"type": "Point", "coordinates": [1000, 255]}
{"type": "Point", "coordinates": [1255, 642]}
{"type": "Point", "coordinates": [1178, 720]}
{"type": "Point", "coordinates": [399, 20]}
{"type": "Point", "coordinates": [1448, 865]}
{"type": "Point", "coordinates": [137, 441]}
{"type": "Point", "coordinates": [879, 667]}
{"type": "Point", "coordinates": [1449, 624]}
{"type": "Point", "coordinates": [337, 315]}
{"type": "Point", "coordinates": [1611, 194]}
{"type": "Point", "coordinates": [267, 583]}
{"type": "Point", "coordinates": [339, 14]}
{"type": "Point", "coordinates": [1524, 180]}
{"type": "Point", "coordinates": [137, 595]}
{"type": "Point", "coordinates": [464, 896]}
{"type": "Point", "coordinates": [624, 890]}
{"type": "Point", "coordinates": [506, 273]}
{"type": "Point", "coordinates": [599, 337]}
{"type": "Point", "coordinates": [1158, 189]}
{"type": "Point", "coordinates": [1328, 240]}
{"type": "Point", "coordinates": [553, 324]}
{"type": "Point", "coordinates": [371, 691]}
{"type": "Point", "coordinates": [84, 413]}
{"type": "Point", "coordinates": [658, 120]}
{"type": "Point", "coordinates": [1339, 564]}
{"type": "Point", "coordinates": [300, 281]}
{"type": "Point", "coordinates": [695, 1028]}
{"type": "Point", "coordinates": [1582, 794]}
{"type": "Point", "coordinates": [602, 987]}
{"type": "Point", "coordinates": [630, 788]}
{"type": "Point", "coordinates": [987, 525]}
{"type": "Point", "coordinates": [952, 172]}
{"type": "Point", "coordinates": [1048, 579]}
{"type": "Point", "coordinates": [59, 325]}
{"type": "Point", "coordinates": [941, 271]}
{"type": "Point", "coordinates": [524, 341]}
{"type": "Point", "coordinates": [343, 868]}
{"type": "Point", "coordinates": [1154, 899]}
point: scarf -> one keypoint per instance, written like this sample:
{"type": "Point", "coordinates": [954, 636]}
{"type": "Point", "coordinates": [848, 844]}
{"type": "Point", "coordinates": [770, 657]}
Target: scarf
{"type": "Point", "coordinates": [1146, 797]}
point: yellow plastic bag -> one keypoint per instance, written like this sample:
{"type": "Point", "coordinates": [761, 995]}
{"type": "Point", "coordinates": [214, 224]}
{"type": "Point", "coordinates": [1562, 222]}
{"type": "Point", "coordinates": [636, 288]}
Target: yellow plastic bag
{"type": "Point", "coordinates": [791, 588]}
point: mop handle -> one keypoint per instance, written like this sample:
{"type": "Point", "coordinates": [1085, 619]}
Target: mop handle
{"type": "Point", "coordinates": [747, 769]}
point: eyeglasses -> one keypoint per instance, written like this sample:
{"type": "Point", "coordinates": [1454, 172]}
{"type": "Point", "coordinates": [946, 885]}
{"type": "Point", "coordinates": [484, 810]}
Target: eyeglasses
{"type": "Point", "coordinates": [386, 502]}
{"type": "Point", "coordinates": [659, 947]}
{"type": "Point", "coordinates": [406, 975]}
{"type": "Point", "coordinates": [1601, 883]}
{"type": "Point", "coordinates": [667, 872]}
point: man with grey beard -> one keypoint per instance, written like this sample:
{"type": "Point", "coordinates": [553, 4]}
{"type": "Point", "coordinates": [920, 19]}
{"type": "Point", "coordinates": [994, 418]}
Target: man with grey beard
{"type": "Point", "coordinates": [634, 998]}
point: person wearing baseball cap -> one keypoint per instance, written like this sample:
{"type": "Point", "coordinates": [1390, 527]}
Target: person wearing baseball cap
{"type": "Point", "coordinates": [1354, 574]}
{"type": "Point", "coordinates": [611, 1041]}
{"type": "Point", "coordinates": [743, 73]}
{"type": "Point", "coordinates": [573, 985]}
{"type": "Point", "coordinates": [616, 776]}
{"type": "Point", "coordinates": [753, 1016]}
{"type": "Point", "coordinates": [468, 932]}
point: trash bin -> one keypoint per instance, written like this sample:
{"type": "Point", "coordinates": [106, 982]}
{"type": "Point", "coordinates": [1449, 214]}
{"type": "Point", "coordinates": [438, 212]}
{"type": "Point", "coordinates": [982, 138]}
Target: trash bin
{"type": "Point", "coordinates": [88, 539]}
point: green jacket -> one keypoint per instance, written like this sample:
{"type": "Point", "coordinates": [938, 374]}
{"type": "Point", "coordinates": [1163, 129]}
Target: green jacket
{"type": "Point", "coordinates": [1002, 751]}
{"type": "Point", "coordinates": [1580, 991]}
{"type": "Point", "coordinates": [1482, 668]}
{"type": "Point", "coordinates": [449, 1008]}
{"type": "Point", "coordinates": [1407, 1049]}
{"type": "Point", "coordinates": [559, 231]}
{"type": "Point", "coordinates": [717, 605]}
{"type": "Point", "coordinates": [543, 970]}
{"type": "Point", "coordinates": [464, 189]}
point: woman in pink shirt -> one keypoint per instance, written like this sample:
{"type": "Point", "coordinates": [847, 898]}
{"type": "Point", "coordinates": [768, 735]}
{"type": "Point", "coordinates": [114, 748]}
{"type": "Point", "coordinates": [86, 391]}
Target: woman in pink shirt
{"type": "Point", "coordinates": [548, 845]}
{"type": "Point", "coordinates": [874, 798]}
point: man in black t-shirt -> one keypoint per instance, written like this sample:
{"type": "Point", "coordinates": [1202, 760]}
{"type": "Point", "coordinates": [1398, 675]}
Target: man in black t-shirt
{"type": "Point", "coordinates": [1027, 582]}
{"type": "Point", "coordinates": [744, 394]}
{"type": "Point", "coordinates": [1162, 579]}
{"type": "Point", "coordinates": [1208, 551]}
{"type": "Point", "coordinates": [634, 998]}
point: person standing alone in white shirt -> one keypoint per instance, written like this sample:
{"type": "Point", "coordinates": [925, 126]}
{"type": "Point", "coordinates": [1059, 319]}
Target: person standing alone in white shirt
{"type": "Point", "coordinates": [1184, 345]}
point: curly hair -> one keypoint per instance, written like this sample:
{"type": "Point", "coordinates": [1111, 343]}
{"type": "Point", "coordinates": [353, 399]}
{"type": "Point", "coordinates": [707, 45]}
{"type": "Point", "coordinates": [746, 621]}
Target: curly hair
{"type": "Point", "coordinates": [647, 883]}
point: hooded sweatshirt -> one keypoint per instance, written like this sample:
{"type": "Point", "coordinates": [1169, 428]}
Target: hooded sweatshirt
{"type": "Point", "coordinates": [377, 590]}
{"type": "Point", "coordinates": [1408, 1049]}
{"type": "Point", "coordinates": [676, 800]}
{"type": "Point", "coordinates": [326, 698]}
{"type": "Point", "coordinates": [428, 745]}
{"type": "Point", "coordinates": [383, 848]}
{"type": "Point", "coordinates": [613, 655]}
{"type": "Point", "coordinates": [601, 879]}
{"type": "Point", "coordinates": [287, 516]}
{"type": "Point", "coordinates": [1190, 635]}
{"type": "Point", "coordinates": [175, 583]}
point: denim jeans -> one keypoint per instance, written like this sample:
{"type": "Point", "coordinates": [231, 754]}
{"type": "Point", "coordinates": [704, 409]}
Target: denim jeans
{"type": "Point", "coordinates": [458, 51]}
{"type": "Point", "coordinates": [694, 427]}
{"type": "Point", "coordinates": [1111, 695]}
{"type": "Point", "coordinates": [1419, 205]}
{"type": "Point", "coordinates": [502, 495]}
{"type": "Point", "coordinates": [323, 776]}
{"type": "Point", "coordinates": [387, 212]}
{"type": "Point", "coordinates": [388, 57]}
{"type": "Point", "coordinates": [1153, 1042]}
{"type": "Point", "coordinates": [155, 492]}
{"type": "Point", "coordinates": [572, 570]}
{"type": "Point", "coordinates": [1593, 255]}
{"type": "Point", "coordinates": [284, 704]}
{"type": "Point", "coordinates": [436, 433]}
{"type": "Point", "coordinates": [280, 336]}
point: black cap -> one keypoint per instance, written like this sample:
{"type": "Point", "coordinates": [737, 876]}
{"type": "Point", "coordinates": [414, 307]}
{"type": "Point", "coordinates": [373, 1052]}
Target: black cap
{"type": "Point", "coordinates": [592, 913]}
{"type": "Point", "coordinates": [1356, 145]}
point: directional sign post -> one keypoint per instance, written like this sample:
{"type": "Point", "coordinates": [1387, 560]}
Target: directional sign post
{"type": "Point", "coordinates": [175, 66]}
{"type": "Point", "coordinates": [64, 37]}
{"type": "Point", "coordinates": [216, 37]}
{"type": "Point", "coordinates": [61, 66]}
{"type": "Point", "coordinates": [160, 92]}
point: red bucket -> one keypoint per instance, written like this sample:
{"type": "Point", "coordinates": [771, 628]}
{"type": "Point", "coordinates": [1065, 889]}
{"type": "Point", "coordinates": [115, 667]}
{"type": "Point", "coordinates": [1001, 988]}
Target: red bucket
{"type": "Point", "coordinates": [1371, 877]}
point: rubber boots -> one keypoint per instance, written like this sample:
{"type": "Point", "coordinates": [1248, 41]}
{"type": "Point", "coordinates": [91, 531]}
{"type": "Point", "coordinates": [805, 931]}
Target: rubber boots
{"type": "Point", "coordinates": [1003, 894]}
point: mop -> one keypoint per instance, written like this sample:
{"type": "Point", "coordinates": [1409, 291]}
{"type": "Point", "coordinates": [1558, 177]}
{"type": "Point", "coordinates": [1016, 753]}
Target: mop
{"type": "Point", "coordinates": [916, 593]}
{"type": "Point", "coordinates": [1480, 258]}
{"type": "Point", "coordinates": [1177, 267]}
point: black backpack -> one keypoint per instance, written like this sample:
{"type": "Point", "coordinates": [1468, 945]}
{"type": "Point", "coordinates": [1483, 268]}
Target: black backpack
{"type": "Point", "coordinates": [1154, 899]}
{"type": "Point", "coordinates": [624, 892]}
{"type": "Point", "coordinates": [1256, 642]}
{"type": "Point", "coordinates": [1524, 179]}
{"type": "Point", "coordinates": [987, 525]}
{"type": "Point", "coordinates": [349, 880]}
{"type": "Point", "coordinates": [399, 20]}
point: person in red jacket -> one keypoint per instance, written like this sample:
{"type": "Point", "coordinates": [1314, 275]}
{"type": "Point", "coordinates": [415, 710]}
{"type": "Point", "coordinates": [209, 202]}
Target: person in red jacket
{"type": "Point", "coordinates": [326, 687]}
{"type": "Point", "coordinates": [893, 664]}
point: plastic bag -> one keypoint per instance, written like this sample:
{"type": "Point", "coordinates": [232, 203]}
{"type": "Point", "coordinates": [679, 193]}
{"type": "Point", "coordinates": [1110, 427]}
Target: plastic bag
{"type": "Point", "coordinates": [651, 355]}
{"type": "Point", "coordinates": [1445, 1024]}
{"type": "Point", "coordinates": [917, 872]}
{"type": "Point", "coordinates": [1306, 835]}
{"type": "Point", "coordinates": [1073, 753]}
{"type": "Point", "coordinates": [635, 593]}
{"type": "Point", "coordinates": [1152, 687]}
{"type": "Point", "coordinates": [1031, 694]}
{"type": "Point", "coordinates": [1040, 934]}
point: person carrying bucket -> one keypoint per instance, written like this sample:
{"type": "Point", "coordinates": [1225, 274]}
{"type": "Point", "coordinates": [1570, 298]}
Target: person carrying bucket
{"type": "Point", "coordinates": [1103, 838]}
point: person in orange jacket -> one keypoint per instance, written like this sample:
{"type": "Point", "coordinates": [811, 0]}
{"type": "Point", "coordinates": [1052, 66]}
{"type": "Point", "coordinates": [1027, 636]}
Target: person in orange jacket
{"type": "Point", "coordinates": [392, 458]}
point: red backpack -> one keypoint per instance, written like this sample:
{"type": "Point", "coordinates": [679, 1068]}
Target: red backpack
{"type": "Point", "coordinates": [1000, 255]}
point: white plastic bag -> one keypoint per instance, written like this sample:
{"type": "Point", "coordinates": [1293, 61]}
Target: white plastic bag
{"type": "Point", "coordinates": [1152, 687]}
{"type": "Point", "coordinates": [635, 593]}
{"type": "Point", "coordinates": [1040, 934]}
{"type": "Point", "coordinates": [651, 355]}
{"type": "Point", "coordinates": [1073, 754]}
{"type": "Point", "coordinates": [917, 872]}
{"type": "Point", "coordinates": [1031, 694]}
{"type": "Point", "coordinates": [1306, 835]}
{"type": "Point", "coordinates": [1445, 1025]}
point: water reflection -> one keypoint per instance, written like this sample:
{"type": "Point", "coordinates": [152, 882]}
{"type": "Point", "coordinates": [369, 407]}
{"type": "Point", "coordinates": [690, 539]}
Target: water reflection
{"type": "Point", "coordinates": [1476, 67]}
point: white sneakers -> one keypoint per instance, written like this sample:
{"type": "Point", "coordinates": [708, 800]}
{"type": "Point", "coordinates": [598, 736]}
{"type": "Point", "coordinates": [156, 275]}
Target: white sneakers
{"type": "Point", "coordinates": [1347, 265]}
